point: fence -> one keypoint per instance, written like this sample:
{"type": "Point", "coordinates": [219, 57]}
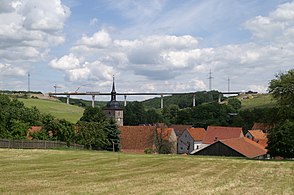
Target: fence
{"type": "Point", "coordinates": [35, 144]}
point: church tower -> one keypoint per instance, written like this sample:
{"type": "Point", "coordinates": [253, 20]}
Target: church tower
{"type": "Point", "coordinates": [113, 109]}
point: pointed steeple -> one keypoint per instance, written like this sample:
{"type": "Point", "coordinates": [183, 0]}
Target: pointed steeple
{"type": "Point", "coordinates": [113, 92]}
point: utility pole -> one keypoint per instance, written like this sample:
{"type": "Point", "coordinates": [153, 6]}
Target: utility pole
{"type": "Point", "coordinates": [29, 82]}
{"type": "Point", "coordinates": [55, 87]}
{"type": "Point", "coordinates": [210, 79]}
{"type": "Point", "coordinates": [228, 84]}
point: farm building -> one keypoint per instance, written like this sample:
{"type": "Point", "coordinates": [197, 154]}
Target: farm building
{"type": "Point", "coordinates": [215, 133]}
{"type": "Point", "coordinates": [190, 140]}
{"type": "Point", "coordinates": [237, 147]}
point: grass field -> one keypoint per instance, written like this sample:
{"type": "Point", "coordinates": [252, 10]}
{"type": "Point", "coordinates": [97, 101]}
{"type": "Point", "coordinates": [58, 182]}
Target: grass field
{"type": "Point", "coordinates": [56, 108]}
{"type": "Point", "coordinates": [91, 172]}
{"type": "Point", "coordinates": [261, 101]}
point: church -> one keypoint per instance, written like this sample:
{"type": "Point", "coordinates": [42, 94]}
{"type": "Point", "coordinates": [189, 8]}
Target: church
{"type": "Point", "coordinates": [113, 108]}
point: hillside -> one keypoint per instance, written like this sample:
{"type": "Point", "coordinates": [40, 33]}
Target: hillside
{"type": "Point", "coordinates": [257, 101]}
{"type": "Point", "coordinates": [182, 101]}
{"type": "Point", "coordinates": [92, 172]}
{"type": "Point", "coordinates": [56, 108]}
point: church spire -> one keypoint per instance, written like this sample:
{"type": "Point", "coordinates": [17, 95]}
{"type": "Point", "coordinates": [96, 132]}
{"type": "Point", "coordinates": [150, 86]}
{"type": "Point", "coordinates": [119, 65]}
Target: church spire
{"type": "Point", "coordinates": [113, 92]}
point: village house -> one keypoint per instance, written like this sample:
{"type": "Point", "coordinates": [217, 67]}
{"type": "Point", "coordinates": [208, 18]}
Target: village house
{"type": "Point", "coordinates": [137, 139]}
{"type": "Point", "coordinates": [190, 140]}
{"type": "Point", "coordinates": [179, 129]}
{"type": "Point", "coordinates": [258, 136]}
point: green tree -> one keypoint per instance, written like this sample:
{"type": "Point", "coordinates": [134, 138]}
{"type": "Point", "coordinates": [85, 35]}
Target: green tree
{"type": "Point", "coordinates": [15, 118]}
{"type": "Point", "coordinates": [281, 140]}
{"type": "Point", "coordinates": [112, 133]}
{"type": "Point", "coordinates": [153, 116]}
{"type": "Point", "coordinates": [93, 115]}
{"type": "Point", "coordinates": [281, 137]}
{"type": "Point", "coordinates": [65, 131]}
{"type": "Point", "coordinates": [91, 135]}
{"type": "Point", "coordinates": [134, 114]}
{"type": "Point", "coordinates": [282, 88]}
{"type": "Point", "coordinates": [235, 103]}
{"type": "Point", "coordinates": [19, 129]}
{"type": "Point", "coordinates": [170, 113]}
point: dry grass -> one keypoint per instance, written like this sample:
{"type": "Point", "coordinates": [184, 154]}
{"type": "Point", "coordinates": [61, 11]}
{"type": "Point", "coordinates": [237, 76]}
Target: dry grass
{"type": "Point", "coordinates": [90, 172]}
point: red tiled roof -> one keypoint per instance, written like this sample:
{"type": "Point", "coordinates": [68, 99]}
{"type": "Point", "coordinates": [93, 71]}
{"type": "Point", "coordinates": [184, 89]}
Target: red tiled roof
{"type": "Point", "coordinates": [245, 146]}
{"type": "Point", "coordinates": [33, 129]}
{"type": "Point", "coordinates": [137, 138]}
{"type": "Point", "coordinates": [215, 133]}
{"type": "Point", "coordinates": [197, 133]}
{"type": "Point", "coordinates": [179, 129]}
{"type": "Point", "coordinates": [262, 126]}
{"type": "Point", "coordinates": [259, 136]}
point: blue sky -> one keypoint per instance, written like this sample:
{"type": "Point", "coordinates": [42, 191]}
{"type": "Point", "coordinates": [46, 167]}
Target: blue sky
{"type": "Point", "coordinates": [150, 46]}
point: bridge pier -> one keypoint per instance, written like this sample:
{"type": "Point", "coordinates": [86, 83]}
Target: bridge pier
{"type": "Point", "coordinates": [219, 98]}
{"type": "Point", "coordinates": [194, 101]}
{"type": "Point", "coordinates": [161, 102]}
{"type": "Point", "coordinates": [125, 100]}
{"type": "Point", "coordinates": [67, 99]}
{"type": "Point", "coordinates": [93, 101]}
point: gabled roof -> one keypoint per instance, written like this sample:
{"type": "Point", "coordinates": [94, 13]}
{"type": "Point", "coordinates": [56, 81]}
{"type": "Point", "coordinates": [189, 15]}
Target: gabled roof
{"type": "Point", "coordinates": [197, 133]}
{"type": "Point", "coordinates": [245, 146]}
{"type": "Point", "coordinates": [179, 129]}
{"type": "Point", "coordinates": [137, 138]}
{"type": "Point", "coordinates": [215, 133]}
{"type": "Point", "coordinates": [258, 134]}
{"type": "Point", "coordinates": [240, 147]}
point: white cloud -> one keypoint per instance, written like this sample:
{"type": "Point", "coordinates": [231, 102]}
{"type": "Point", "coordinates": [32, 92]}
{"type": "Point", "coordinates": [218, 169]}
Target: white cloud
{"type": "Point", "coordinates": [66, 62]}
{"type": "Point", "coordinates": [258, 88]}
{"type": "Point", "coordinates": [273, 26]}
{"type": "Point", "coordinates": [28, 29]}
{"type": "Point", "coordinates": [78, 74]}
{"type": "Point", "coordinates": [8, 69]}
{"type": "Point", "coordinates": [44, 16]}
{"type": "Point", "coordinates": [94, 71]}
{"type": "Point", "coordinates": [100, 39]}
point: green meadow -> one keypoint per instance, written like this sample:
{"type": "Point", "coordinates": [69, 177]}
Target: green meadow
{"type": "Point", "coordinates": [260, 101]}
{"type": "Point", "coordinates": [56, 108]}
{"type": "Point", "coordinates": [93, 172]}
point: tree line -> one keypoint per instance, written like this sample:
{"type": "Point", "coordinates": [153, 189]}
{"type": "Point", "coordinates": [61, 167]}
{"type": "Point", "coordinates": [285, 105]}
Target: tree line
{"type": "Point", "coordinates": [93, 130]}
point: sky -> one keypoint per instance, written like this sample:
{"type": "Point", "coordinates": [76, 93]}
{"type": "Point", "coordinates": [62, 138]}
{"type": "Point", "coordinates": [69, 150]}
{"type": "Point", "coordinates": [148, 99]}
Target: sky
{"type": "Point", "coordinates": [149, 46]}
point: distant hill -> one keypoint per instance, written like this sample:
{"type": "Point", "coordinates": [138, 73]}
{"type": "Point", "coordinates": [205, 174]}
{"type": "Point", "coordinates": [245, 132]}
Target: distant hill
{"type": "Point", "coordinates": [183, 101]}
{"type": "Point", "coordinates": [256, 101]}
{"type": "Point", "coordinates": [56, 108]}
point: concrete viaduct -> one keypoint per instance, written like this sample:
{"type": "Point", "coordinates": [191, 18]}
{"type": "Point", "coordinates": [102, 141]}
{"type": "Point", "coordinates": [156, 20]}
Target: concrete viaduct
{"type": "Point", "coordinates": [125, 94]}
